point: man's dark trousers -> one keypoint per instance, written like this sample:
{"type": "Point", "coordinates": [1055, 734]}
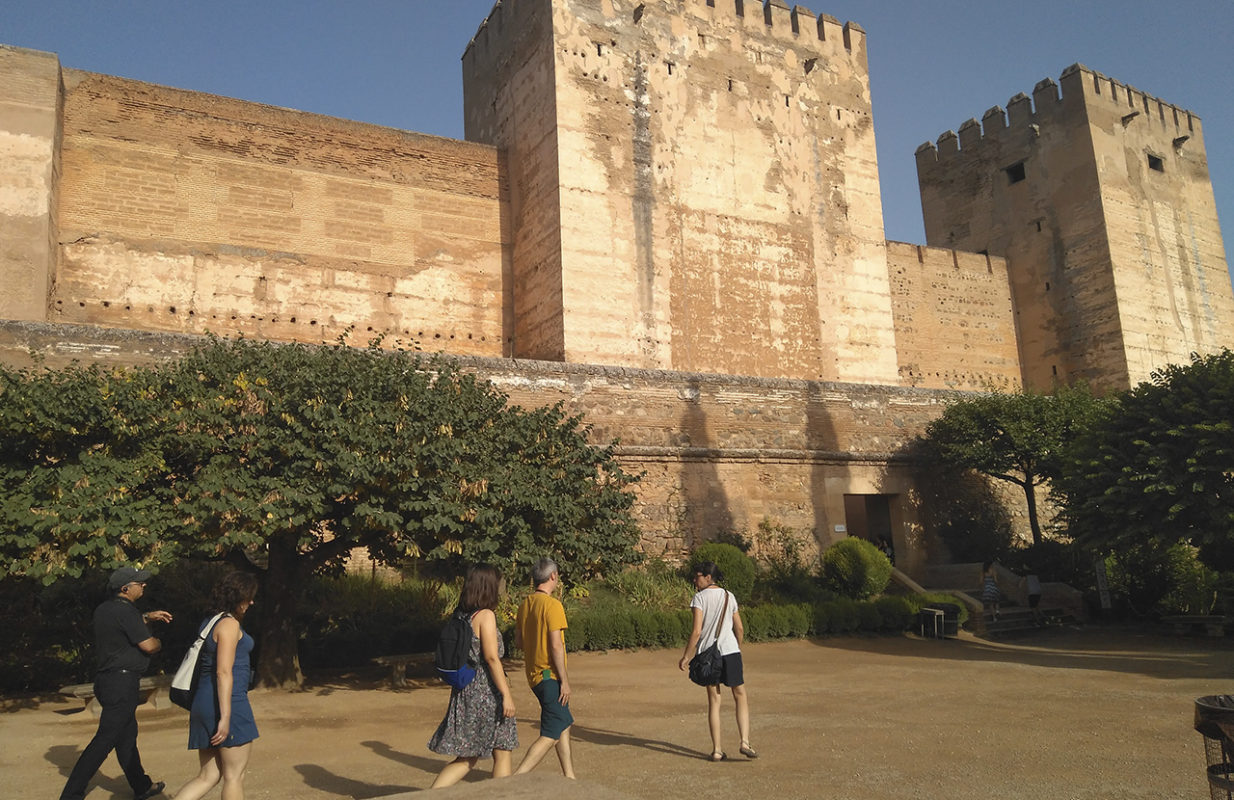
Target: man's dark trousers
{"type": "Point", "coordinates": [119, 694]}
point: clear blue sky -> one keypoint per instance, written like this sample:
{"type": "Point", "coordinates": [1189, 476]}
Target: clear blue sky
{"type": "Point", "coordinates": [933, 63]}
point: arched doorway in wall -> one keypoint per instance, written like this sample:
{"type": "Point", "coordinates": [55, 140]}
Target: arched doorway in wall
{"type": "Point", "coordinates": [868, 516]}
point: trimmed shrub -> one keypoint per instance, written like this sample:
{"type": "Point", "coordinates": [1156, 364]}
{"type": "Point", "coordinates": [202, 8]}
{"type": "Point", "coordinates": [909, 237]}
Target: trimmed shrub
{"type": "Point", "coordinates": [844, 617]}
{"type": "Point", "coordinates": [799, 619]}
{"type": "Point", "coordinates": [868, 617]}
{"type": "Point", "coordinates": [352, 618]}
{"type": "Point", "coordinates": [577, 634]}
{"type": "Point", "coordinates": [755, 621]}
{"type": "Point", "coordinates": [738, 568]}
{"type": "Point", "coordinates": [856, 568]}
{"type": "Point", "coordinates": [897, 612]}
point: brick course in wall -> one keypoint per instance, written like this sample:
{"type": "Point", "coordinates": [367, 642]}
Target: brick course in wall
{"type": "Point", "coordinates": [188, 212]}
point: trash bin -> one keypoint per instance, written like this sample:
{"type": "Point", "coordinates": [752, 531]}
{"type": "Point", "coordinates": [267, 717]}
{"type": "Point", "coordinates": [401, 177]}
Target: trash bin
{"type": "Point", "coordinates": [1214, 718]}
{"type": "Point", "coordinates": [950, 618]}
{"type": "Point", "coordinates": [931, 621]}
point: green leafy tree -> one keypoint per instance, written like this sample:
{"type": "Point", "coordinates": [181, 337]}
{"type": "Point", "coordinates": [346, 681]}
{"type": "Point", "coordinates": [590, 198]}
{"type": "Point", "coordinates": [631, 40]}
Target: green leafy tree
{"type": "Point", "coordinates": [286, 458]}
{"type": "Point", "coordinates": [1159, 465]}
{"type": "Point", "coordinates": [1017, 438]}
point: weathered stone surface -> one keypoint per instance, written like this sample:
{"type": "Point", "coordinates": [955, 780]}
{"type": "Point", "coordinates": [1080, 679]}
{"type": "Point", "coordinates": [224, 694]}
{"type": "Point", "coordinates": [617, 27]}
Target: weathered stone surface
{"type": "Point", "coordinates": [684, 192]}
{"type": "Point", "coordinates": [1098, 196]}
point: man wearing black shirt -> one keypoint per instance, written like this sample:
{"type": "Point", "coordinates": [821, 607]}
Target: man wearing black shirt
{"type": "Point", "coordinates": [123, 645]}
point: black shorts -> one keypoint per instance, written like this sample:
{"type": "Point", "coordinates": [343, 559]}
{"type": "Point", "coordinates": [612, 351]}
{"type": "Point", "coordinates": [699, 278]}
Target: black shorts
{"type": "Point", "coordinates": [732, 674]}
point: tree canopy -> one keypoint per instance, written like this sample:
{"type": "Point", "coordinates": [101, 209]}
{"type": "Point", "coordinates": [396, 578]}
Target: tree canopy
{"type": "Point", "coordinates": [1018, 438]}
{"type": "Point", "coordinates": [286, 458]}
{"type": "Point", "coordinates": [1159, 464]}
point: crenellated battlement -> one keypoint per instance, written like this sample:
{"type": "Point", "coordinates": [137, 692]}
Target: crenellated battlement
{"type": "Point", "coordinates": [795, 24]}
{"type": "Point", "coordinates": [1078, 87]}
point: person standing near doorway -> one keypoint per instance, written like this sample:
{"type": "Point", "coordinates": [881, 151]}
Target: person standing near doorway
{"type": "Point", "coordinates": [123, 645]}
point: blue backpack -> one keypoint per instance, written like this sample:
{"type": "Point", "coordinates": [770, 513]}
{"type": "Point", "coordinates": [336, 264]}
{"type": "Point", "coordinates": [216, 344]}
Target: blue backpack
{"type": "Point", "coordinates": [452, 659]}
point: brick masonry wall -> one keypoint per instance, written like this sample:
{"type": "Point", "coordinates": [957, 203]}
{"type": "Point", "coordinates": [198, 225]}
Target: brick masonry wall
{"type": "Point", "coordinates": [955, 325]}
{"type": "Point", "coordinates": [187, 212]}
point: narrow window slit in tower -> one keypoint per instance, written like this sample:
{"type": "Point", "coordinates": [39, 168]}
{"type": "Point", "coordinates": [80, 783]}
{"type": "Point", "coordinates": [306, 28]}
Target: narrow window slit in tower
{"type": "Point", "coordinates": [1155, 162]}
{"type": "Point", "coordinates": [1015, 173]}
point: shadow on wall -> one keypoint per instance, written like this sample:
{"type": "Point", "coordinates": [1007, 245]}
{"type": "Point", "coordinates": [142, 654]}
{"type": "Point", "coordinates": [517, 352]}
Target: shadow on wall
{"type": "Point", "coordinates": [820, 438]}
{"type": "Point", "coordinates": [707, 511]}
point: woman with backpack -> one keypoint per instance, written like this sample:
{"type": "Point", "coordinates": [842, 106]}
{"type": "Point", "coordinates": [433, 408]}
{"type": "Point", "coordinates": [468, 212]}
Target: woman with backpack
{"type": "Point", "coordinates": [480, 717]}
{"type": "Point", "coordinates": [221, 725]}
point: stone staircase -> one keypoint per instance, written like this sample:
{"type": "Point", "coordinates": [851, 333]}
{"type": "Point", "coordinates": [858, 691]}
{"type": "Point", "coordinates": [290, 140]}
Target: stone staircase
{"type": "Point", "coordinates": [1060, 604]}
{"type": "Point", "coordinates": [1014, 619]}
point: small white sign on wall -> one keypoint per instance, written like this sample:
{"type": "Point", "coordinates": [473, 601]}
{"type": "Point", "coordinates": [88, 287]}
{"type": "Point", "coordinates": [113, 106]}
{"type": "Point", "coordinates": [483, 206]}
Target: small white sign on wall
{"type": "Point", "coordinates": [841, 529]}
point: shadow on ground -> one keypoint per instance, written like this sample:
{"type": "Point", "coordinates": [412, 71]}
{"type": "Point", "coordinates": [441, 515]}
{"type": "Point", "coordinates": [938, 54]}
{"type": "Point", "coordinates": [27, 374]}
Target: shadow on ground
{"type": "Point", "coordinates": [1149, 654]}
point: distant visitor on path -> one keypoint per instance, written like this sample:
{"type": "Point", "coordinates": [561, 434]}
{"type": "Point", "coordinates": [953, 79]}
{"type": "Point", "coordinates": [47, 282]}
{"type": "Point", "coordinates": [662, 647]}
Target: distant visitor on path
{"type": "Point", "coordinates": [221, 724]}
{"type": "Point", "coordinates": [990, 595]}
{"type": "Point", "coordinates": [1032, 588]}
{"type": "Point", "coordinates": [717, 621]}
{"type": "Point", "coordinates": [123, 646]}
{"type": "Point", "coordinates": [539, 633]}
{"type": "Point", "coordinates": [480, 718]}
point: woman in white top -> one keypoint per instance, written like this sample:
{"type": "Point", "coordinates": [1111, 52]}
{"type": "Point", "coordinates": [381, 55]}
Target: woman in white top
{"type": "Point", "coordinates": [709, 604]}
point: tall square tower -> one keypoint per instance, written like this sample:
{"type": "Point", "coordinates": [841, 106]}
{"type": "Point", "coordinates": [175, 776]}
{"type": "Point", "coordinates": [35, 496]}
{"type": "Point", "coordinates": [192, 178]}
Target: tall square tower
{"type": "Point", "coordinates": [1100, 200]}
{"type": "Point", "coordinates": [693, 185]}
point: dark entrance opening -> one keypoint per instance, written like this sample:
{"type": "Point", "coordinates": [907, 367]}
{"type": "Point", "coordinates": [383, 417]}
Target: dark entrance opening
{"type": "Point", "coordinates": [868, 516]}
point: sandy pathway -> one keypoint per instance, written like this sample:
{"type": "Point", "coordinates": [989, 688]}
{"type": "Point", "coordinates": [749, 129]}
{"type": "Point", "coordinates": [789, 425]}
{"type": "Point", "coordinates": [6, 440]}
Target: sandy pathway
{"type": "Point", "coordinates": [1063, 714]}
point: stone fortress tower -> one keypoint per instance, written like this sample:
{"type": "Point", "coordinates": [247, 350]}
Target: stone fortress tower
{"type": "Point", "coordinates": [1100, 200]}
{"type": "Point", "coordinates": [694, 185]}
{"type": "Point", "coordinates": [667, 217]}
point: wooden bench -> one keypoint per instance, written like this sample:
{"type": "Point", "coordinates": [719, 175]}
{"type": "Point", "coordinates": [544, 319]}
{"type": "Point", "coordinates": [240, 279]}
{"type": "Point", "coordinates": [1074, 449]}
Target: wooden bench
{"type": "Point", "coordinates": [1183, 624]}
{"type": "Point", "coordinates": [397, 664]}
{"type": "Point", "coordinates": [153, 691]}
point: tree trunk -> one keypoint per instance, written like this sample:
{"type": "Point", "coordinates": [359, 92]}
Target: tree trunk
{"type": "Point", "coordinates": [1030, 496]}
{"type": "Point", "coordinates": [279, 662]}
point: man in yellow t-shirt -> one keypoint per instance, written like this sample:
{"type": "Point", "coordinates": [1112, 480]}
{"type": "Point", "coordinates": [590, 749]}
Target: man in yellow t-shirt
{"type": "Point", "coordinates": [538, 633]}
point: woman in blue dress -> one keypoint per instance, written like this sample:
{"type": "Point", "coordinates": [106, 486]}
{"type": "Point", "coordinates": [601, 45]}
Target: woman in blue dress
{"type": "Point", "coordinates": [221, 725]}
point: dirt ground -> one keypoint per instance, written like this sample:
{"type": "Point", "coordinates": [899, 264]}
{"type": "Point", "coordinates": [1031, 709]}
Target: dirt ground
{"type": "Point", "coordinates": [1079, 713]}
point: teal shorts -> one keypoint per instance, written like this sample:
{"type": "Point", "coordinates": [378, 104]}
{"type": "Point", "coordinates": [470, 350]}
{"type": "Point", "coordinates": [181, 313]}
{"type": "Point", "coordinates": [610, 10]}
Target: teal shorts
{"type": "Point", "coordinates": [554, 717]}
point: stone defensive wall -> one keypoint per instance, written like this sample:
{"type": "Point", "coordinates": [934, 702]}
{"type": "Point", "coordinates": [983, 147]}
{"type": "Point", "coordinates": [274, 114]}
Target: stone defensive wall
{"type": "Point", "coordinates": [1099, 197]}
{"type": "Point", "coordinates": [716, 452]}
{"type": "Point", "coordinates": [181, 211]}
{"type": "Point", "coordinates": [795, 24]}
{"type": "Point", "coordinates": [955, 323]}
{"type": "Point", "coordinates": [1076, 84]}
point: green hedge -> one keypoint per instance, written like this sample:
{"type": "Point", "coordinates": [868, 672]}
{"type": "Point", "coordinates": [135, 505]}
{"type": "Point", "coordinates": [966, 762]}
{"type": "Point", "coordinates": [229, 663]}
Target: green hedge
{"type": "Point", "coordinates": [609, 629]}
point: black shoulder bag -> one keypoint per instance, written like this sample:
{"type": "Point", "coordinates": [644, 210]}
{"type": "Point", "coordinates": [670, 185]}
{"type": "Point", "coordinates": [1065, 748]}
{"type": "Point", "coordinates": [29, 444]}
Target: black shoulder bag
{"type": "Point", "coordinates": [706, 665]}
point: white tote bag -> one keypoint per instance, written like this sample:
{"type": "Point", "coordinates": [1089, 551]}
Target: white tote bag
{"type": "Point", "coordinates": [185, 680]}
